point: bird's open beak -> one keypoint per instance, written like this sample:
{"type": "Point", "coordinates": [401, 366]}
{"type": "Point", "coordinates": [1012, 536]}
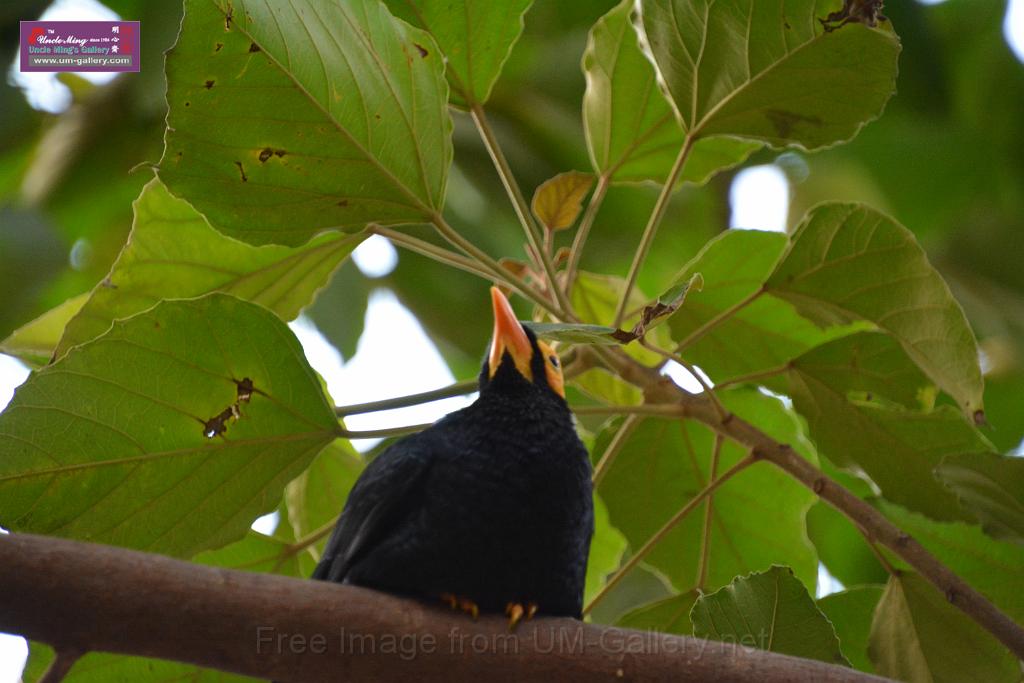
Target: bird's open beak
{"type": "Point", "coordinates": [508, 336]}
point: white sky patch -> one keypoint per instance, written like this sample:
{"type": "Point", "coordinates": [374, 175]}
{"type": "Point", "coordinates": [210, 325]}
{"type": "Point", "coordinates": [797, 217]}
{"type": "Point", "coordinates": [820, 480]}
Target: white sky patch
{"type": "Point", "coordinates": [394, 358]}
{"type": "Point", "coordinates": [684, 378]}
{"type": "Point", "coordinates": [759, 198]}
{"type": "Point", "coordinates": [267, 524]}
{"type": "Point", "coordinates": [827, 584]}
{"type": "Point", "coordinates": [1013, 27]}
{"type": "Point", "coordinates": [375, 257]}
{"type": "Point", "coordinates": [42, 89]}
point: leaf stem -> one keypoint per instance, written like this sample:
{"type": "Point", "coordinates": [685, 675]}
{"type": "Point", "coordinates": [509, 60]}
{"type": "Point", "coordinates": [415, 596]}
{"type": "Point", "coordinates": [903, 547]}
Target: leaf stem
{"type": "Point", "coordinates": [382, 433]}
{"type": "Point", "coordinates": [644, 409]}
{"type": "Point", "coordinates": [522, 209]}
{"type": "Point", "coordinates": [653, 541]}
{"type": "Point", "coordinates": [458, 389]}
{"type": "Point", "coordinates": [596, 199]}
{"type": "Point", "coordinates": [432, 251]}
{"type": "Point", "coordinates": [614, 446]}
{"type": "Point", "coordinates": [652, 226]}
{"type": "Point", "coordinates": [718, 319]}
{"type": "Point", "coordinates": [705, 538]}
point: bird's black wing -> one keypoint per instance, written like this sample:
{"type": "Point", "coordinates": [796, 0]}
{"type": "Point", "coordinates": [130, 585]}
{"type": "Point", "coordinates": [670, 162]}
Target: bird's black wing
{"type": "Point", "coordinates": [383, 496]}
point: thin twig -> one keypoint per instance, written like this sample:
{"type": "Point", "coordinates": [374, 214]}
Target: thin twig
{"type": "Point", "coordinates": [458, 389]}
{"type": "Point", "coordinates": [653, 541]}
{"type": "Point", "coordinates": [651, 229]}
{"type": "Point", "coordinates": [596, 199]}
{"type": "Point", "coordinates": [614, 446]}
{"type": "Point", "coordinates": [709, 510]}
{"type": "Point", "coordinates": [382, 433]}
{"type": "Point", "coordinates": [432, 251]}
{"type": "Point", "coordinates": [60, 666]}
{"type": "Point", "coordinates": [518, 202]}
{"type": "Point", "coordinates": [642, 409]}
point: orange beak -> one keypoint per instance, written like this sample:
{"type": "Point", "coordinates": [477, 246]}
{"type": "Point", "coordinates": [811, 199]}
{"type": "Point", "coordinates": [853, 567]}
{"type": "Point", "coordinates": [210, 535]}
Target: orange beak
{"type": "Point", "coordinates": [508, 336]}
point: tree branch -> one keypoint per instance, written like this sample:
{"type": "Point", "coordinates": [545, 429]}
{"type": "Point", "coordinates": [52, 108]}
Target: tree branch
{"type": "Point", "coordinates": [659, 389]}
{"type": "Point", "coordinates": [84, 597]}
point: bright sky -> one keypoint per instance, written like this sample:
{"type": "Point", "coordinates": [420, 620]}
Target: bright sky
{"type": "Point", "coordinates": [394, 356]}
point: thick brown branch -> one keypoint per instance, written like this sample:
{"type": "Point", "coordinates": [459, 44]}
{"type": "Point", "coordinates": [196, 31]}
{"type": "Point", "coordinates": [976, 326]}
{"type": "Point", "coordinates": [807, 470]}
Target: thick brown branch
{"type": "Point", "coordinates": [80, 597]}
{"type": "Point", "coordinates": [659, 389]}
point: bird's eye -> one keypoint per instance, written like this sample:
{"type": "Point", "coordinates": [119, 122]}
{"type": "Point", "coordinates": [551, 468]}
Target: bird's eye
{"type": "Point", "coordinates": [554, 360]}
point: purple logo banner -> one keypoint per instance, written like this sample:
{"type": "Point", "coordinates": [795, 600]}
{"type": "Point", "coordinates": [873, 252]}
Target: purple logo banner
{"type": "Point", "coordinates": [80, 46]}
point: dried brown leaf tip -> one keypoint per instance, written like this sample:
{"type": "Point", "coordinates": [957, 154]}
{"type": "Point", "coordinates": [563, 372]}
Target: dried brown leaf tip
{"type": "Point", "coordinates": [667, 304]}
{"type": "Point", "coordinates": [867, 12]}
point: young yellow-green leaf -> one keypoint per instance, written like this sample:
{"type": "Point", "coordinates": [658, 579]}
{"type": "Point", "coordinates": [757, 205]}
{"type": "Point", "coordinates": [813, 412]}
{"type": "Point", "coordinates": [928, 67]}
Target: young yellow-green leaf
{"type": "Point", "coordinates": [992, 567]}
{"type": "Point", "coordinates": [173, 253]}
{"type": "Point", "coordinates": [668, 615]}
{"type": "Point", "coordinates": [770, 610]}
{"type": "Point", "coordinates": [476, 37]}
{"type": "Point", "coordinates": [631, 132]}
{"type": "Point", "coordinates": [849, 262]}
{"type": "Point", "coordinates": [290, 118]}
{"type": "Point", "coordinates": [255, 552]}
{"type": "Point", "coordinates": [605, 386]}
{"type": "Point", "coordinates": [169, 433]}
{"type": "Point", "coordinates": [917, 635]}
{"type": "Point", "coordinates": [34, 342]}
{"type": "Point", "coordinates": [769, 71]}
{"type": "Point", "coordinates": [606, 550]}
{"type": "Point", "coordinates": [758, 516]}
{"type": "Point", "coordinates": [557, 201]}
{"type": "Point", "coordinates": [992, 488]}
{"type": "Point", "coordinates": [851, 612]}
{"type": "Point", "coordinates": [730, 327]}
{"type": "Point", "coordinates": [897, 448]}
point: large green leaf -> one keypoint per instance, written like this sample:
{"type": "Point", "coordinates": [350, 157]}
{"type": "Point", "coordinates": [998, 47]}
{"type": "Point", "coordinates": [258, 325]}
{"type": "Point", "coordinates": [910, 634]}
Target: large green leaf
{"type": "Point", "coordinates": [668, 615]}
{"type": "Point", "coordinates": [771, 611]}
{"type": "Point", "coordinates": [842, 548]}
{"type": "Point", "coordinates": [256, 552]}
{"type": "Point", "coordinates": [173, 253]}
{"type": "Point", "coordinates": [316, 497]}
{"type": "Point", "coordinates": [758, 516]}
{"type": "Point", "coordinates": [992, 488]}
{"type": "Point", "coordinates": [476, 37]}
{"type": "Point", "coordinates": [992, 567]}
{"type": "Point", "coordinates": [290, 118]}
{"type": "Point", "coordinates": [897, 448]}
{"type": "Point", "coordinates": [917, 635]}
{"type": "Point", "coordinates": [33, 343]}
{"type": "Point", "coordinates": [851, 612]}
{"type": "Point", "coordinates": [769, 71]}
{"type": "Point", "coordinates": [722, 335]}
{"type": "Point", "coordinates": [631, 132]}
{"type": "Point", "coordinates": [849, 262]}
{"type": "Point", "coordinates": [111, 443]}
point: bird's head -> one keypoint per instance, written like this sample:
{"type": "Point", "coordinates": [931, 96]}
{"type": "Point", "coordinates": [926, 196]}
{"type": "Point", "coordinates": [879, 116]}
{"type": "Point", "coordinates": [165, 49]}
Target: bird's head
{"type": "Point", "coordinates": [517, 358]}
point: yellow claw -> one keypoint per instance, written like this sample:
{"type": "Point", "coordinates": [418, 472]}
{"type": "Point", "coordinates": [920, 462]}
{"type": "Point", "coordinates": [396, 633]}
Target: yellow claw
{"type": "Point", "coordinates": [516, 613]}
{"type": "Point", "coordinates": [460, 603]}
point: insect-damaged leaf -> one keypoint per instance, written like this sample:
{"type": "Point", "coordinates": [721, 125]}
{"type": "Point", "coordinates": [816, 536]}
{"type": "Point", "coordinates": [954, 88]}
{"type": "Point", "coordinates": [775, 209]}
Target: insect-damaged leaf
{"type": "Point", "coordinates": [667, 304]}
{"type": "Point", "coordinates": [109, 443]}
{"type": "Point", "coordinates": [337, 118]}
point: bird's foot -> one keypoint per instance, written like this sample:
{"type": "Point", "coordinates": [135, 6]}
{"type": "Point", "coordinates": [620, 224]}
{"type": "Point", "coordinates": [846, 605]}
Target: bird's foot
{"type": "Point", "coordinates": [518, 612]}
{"type": "Point", "coordinates": [461, 603]}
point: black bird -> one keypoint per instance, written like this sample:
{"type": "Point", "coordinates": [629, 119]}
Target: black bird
{"type": "Point", "coordinates": [490, 508]}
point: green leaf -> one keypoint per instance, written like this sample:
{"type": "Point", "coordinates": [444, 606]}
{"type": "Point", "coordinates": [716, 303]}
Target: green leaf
{"type": "Point", "coordinates": [769, 71]}
{"type": "Point", "coordinates": [992, 488]}
{"type": "Point", "coordinates": [476, 37]}
{"type": "Point", "coordinates": [558, 200]}
{"type": "Point", "coordinates": [288, 119]}
{"type": "Point", "coordinates": [110, 444]}
{"type": "Point", "coordinates": [758, 516]}
{"type": "Point", "coordinates": [173, 253]}
{"type": "Point", "coordinates": [256, 552]}
{"type": "Point", "coordinates": [606, 548]}
{"type": "Point", "coordinates": [34, 342]}
{"type": "Point", "coordinates": [668, 615]}
{"type": "Point", "coordinates": [577, 333]}
{"type": "Point", "coordinates": [770, 610]}
{"type": "Point", "coordinates": [730, 328]}
{"type": "Point", "coordinates": [842, 548]}
{"type": "Point", "coordinates": [100, 667]}
{"type": "Point", "coordinates": [992, 567]}
{"type": "Point", "coordinates": [897, 448]}
{"type": "Point", "coordinates": [316, 497]}
{"type": "Point", "coordinates": [851, 612]}
{"type": "Point", "coordinates": [917, 635]}
{"type": "Point", "coordinates": [631, 132]}
{"type": "Point", "coordinates": [605, 386]}
{"type": "Point", "coordinates": [849, 262]}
